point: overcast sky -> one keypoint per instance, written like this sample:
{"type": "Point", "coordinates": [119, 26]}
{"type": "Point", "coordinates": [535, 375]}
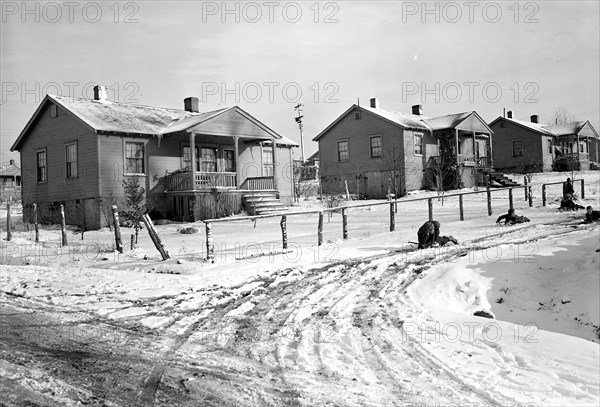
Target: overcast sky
{"type": "Point", "coordinates": [529, 57]}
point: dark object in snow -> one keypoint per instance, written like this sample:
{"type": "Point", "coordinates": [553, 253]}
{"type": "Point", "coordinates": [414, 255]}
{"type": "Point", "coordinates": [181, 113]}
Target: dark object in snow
{"type": "Point", "coordinates": [500, 300]}
{"type": "Point", "coordinates": [428, 234]}
{"type": "Point", "coordinates": [188, 231]}
{"type": "Point", "coordinates": [511, 218]}
{"type": "Point", "coordinates": [567, 204]}
{"type": "Point", "coordinates": [483, 314]}
{"type": "Point", "coordinates": [442, 240]}
{"type": "Point", "coordinates": [591, 215]}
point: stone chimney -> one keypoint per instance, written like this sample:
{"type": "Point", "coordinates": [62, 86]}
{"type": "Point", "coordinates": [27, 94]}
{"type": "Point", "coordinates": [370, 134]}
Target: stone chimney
{"type": "Point", "coordinates": [374, 103]}
{"type": "Point", "coordinates": [509, 114]}
{"type": "Point", "coordinates": [534, 118]}
{"type": "Point", "coordinates": [100, 93]}
{"type": "Point", "coordinates": [191, 104]}
{"type": "Point", "coordinates": [417, 110]}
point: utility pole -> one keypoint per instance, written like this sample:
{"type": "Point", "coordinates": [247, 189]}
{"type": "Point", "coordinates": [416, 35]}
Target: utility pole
{"type": "Point", "coordinates": [298, 119]}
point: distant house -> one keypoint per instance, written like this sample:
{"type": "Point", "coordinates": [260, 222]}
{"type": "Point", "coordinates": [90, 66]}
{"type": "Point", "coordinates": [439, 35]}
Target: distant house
{"type": "Point", "coordinates": [375, 152]}
{"type": "Point", "coordinates": [192, 165]}
{"type": "Point", "coordinates": [531, 146]}
{"type": "Point", "coordinates": [10, 182]}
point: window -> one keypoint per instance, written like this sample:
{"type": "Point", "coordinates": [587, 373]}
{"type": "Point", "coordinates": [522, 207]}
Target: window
{"type": "Point", "coordinates": [375, 146]}
{"type": "Point", "coordinates": [267, 154]}
{"type": "Point", "coordinates": [418, 144]}
{"type": "Point", "coordinates": [357, 115]}
{"type": "Point", "coordinates": [343, 150]}
{"type": "Point", "coordinates": [581, 148]}
{"type": "Point", "coordinates": [42, 173]}
{"type": "Point", "coordinates": [517, 148]}
{"type": "Point", "coordinates": [53, 111]}
{"type": "Point", "coordinates": [186, 158]}
{"type": "Point", "coordinates": [208, 159]}
{"type": "Point", "coordinates": [71, 157]}
{"type": "Point", "coordinates": [134, 158]}
{"type": "Point", "coordinates": [549, 145]}
{"type": "Point", "coordinates": [228, 161]}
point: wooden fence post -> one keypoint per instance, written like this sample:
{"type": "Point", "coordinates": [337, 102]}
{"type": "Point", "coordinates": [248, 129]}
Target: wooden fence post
{"type": "Point", "coordinates": [526, 189]}
{"type": "Point", "coordinates": [210, 247]}
{"type": "Point", "coordinates": [510, 199]}
{"type": "Point", "coordinates": [8, 231]}
{"type": "Point", "coordinates": [154, 236]}
{"type": "Point", "coordinates": [35, 223]}
{"type": "Point", "coordinates": [320, 230]}
{"type": "Point", "coordinates": [430, 205]}
{"type": "Point", "coordinates": [118, 241]}
{"type": "Point", "coordinates": [131, 245]}
{"type": "Point", "coordinates": [392, 218]}
{"type": "Point", "coordinates": [582, 189]}
{"type": "Point", "coordinates": [284, 239]}
{"type": "Point", "coordinates": [460, 207]}
{"type": "Point", "coordinates": [530, 195]}
{"type": "Point", "coordinates": [63, 225]}
{"type": "Point", "coordinates": [489, 199]}
{"type": "Point", "coordinates": [543, 194]}
{"type": "Point", "coordinates": [344, 224]}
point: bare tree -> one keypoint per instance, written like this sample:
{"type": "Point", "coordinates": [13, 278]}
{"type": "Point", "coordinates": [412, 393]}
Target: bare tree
{"type": "Point", "coordinates": [562, 116]}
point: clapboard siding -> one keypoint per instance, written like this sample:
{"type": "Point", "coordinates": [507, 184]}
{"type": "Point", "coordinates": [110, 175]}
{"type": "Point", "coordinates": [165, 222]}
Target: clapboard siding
{"type": "Point", "coordinates": [53, 134]}
{"type": "Point", "coordinates": [230, 123]}
{"type": "Point", "coordinates": [534, 147]}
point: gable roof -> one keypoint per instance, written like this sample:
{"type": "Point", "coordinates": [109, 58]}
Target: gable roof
{"type": "Point", "coordinates": [570, 128]}
{"type": "Point", "coordinates": [535, 127]}
{"type": "Point", "coordinates": [115, 117]}
{"type": "Point", "coordinates": [411, 121]}
{"type": "Point", "coordinates": [10, 171]}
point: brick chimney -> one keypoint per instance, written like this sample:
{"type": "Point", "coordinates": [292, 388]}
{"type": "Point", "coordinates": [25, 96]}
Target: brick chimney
{"type": "Point", "coordinates": [509, 114]}
{"type": "Point", "coordinates": [12, 162]}
{"type": "Point", "coordinates": [100, 93]}
{"type": "Point", "coordinates": [417, 110]}
{"type": "Point", "coordinates": [534, 118]}
{"type": "Point", "coordinates": [374, 103]}
{"type": "Point", "coordinates": [191, 104]}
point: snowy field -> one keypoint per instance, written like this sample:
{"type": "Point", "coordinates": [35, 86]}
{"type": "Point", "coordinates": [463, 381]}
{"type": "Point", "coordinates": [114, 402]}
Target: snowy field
{"type": "Point", "coordinates": [368, 321]}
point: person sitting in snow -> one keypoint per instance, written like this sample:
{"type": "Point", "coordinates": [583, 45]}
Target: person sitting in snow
{"type": "Point", "coordinates": [428, 234]}
{"type": "Point", "coordinates": [591, 215]}
{"type": "Point", "coordinates": [567, 204]}
{"type": "Point", "coordinates": [568, 189]}
{"type": "Point", "coordinates": [511, 218]}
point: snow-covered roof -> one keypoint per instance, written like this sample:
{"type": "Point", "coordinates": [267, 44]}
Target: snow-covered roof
{"type": "Point", "coordinates": [116, 117]}
{"type": "Point", "coordinates": [411, 121]}
{"type": "Point", "coordinates": [566, 128]}
{"type": "Point", "coordinates": [537, 127]}
{"type": "Point", "coordinates": [10, 171]}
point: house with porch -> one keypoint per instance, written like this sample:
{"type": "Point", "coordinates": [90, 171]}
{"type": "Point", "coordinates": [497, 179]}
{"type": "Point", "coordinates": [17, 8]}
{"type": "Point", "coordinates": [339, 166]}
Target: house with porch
{"type": "Point", "coordinates": [373, 152]}
{"type": "Point", "coordinates": [530, 146]}
{"type": "Point", "coordinates": [10, 182]}
{"type": "Point", "coordinates": [193, 165]}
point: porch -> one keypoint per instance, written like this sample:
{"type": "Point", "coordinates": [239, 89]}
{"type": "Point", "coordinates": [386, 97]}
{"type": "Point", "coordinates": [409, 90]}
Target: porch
{"type": "Point", "coordinates": [206, 181]}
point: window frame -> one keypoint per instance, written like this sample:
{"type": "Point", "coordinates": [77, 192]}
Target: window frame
{"type": "Point", "coordinates": [268, 166]}
{"type": "Point", "coordinates": [357, 115]}
{"type": "Point", "coordinates": [513, 147]}
{"type": "Point", "coordinates": [68, 174]}
{"type": "Point", "coordinates": [215, 150]}
{"type": "Point", "coordinates": [184, 161]}
{"type": "Point", "coordinates": [347, 150]}
{"type": "Point", "coordinates": [144, 157]}
{"type": "Point", "coordinates": [380, 146]}
{"type": "Point", "coordinates": [550, 149]}
{"type": "Point", "coordinates": [419, 136]}
{"type": "Point", "coordinates": [224, 152]}
{"type": "Point", "coordinates": [37, 166]}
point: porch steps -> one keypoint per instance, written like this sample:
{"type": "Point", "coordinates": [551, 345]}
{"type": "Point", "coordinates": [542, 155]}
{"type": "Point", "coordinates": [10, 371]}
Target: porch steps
{"type": "Point", "coordinates": [262, 203]}
{"type": "Point", "coordinates": [501, 179]}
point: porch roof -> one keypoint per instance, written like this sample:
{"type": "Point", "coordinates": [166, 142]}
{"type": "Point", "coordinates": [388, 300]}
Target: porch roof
{"type": "Point", "coordinates": [570, 128]}
{"type": "Point", "coordinates": [10, 171]}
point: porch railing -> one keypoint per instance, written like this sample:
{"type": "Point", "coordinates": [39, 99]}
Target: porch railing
{"type": "Point", "coordinates": [258, 183]}
{"type": "Point", "coordinates": [484, 162]}
{"type": "Point", "coordinates": [202, 181]}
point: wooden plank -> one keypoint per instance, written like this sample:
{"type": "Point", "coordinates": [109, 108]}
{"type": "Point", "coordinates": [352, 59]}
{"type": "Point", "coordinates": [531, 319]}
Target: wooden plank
{"type": "Point", "coordinates": [320, 230]}
{"type": "Point", "coordinates": [63, 230]}
{"type": "Point", "coordinates": [35, 222]}
{"type": "Point", "coordinates": [117, 228]}
{"type": "Point", "coordinates": [155, 238]}
{"type": "Point", "coordinates": [8, 223]}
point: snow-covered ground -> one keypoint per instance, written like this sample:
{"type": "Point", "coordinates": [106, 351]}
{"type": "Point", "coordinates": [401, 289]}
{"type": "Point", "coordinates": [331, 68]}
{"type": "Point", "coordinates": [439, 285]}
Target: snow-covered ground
{"type": "Point", "coordinates": [368, 321]}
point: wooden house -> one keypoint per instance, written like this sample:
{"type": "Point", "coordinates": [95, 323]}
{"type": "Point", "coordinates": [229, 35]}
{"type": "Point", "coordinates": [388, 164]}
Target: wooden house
{"type": "Point", "coordinates": [373, 152]}
{"type": "Point", "coordinates": [10, 182]}
{"type": "Point", "coordinates": [529, 146]}
{"type": "Point", "coordinates": [192, 165]}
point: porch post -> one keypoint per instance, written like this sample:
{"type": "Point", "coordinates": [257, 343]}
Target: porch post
{"type": "Point", "coordinates": [456, 140]}
{"type": "Point", "coordinates": [274, 144]}
{"type": "Point", "coordinates": [192, 161]}
{"type": "Point", "coordinates": [236, 153]}
{"type": "Point", "coordinates": [578, 148]}
{"type": "Point", "coordinates": [490, 151]}
{"type": "Point", "coordinates": [475, 151]}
